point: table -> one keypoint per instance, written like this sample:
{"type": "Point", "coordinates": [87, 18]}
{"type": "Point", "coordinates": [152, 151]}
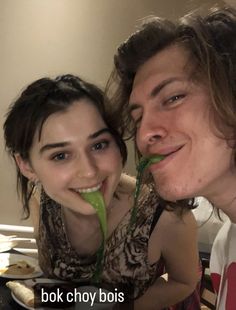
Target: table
{"type": "Point", "coordinates": [8, 303]}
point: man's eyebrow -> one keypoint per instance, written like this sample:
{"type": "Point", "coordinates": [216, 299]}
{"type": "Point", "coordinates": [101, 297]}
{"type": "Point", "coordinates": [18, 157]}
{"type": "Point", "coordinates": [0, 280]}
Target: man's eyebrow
{"type": "Point", "coordinates": [50, 146]}
{"type": "Point", "coordinates": [155, 91]}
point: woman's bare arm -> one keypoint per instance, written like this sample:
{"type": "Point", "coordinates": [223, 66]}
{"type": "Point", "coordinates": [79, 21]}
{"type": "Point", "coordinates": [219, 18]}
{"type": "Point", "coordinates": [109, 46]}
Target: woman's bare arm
{"type": "Point", "coordinates": [176, 240]}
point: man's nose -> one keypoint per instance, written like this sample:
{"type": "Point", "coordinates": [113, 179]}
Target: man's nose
{"type": "Point", "coordinates": [151, 130]}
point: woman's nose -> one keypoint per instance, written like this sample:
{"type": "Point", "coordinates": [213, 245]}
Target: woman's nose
{"type": "Point", "coordinates": [150, 131]}
{"type": "Point", "coordinates": [86, 167]}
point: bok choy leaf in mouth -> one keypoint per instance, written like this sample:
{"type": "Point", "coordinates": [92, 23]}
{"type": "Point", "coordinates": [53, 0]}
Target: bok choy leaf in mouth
{"type": "Point", "coordinates": [144, 163]}
{"type": "Point", "coordinates": [97, 202]}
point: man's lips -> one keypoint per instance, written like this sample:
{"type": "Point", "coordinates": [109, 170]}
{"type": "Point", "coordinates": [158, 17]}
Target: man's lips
{"type": "Point", "coordinates": [168, 156]}
{"type": "Point", "coordinates": [169, 150]}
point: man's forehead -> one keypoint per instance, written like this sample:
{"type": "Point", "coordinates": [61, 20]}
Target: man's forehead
{"type": "Point", "coordinates": [172, 58]}
{"type": "Point", "coordinates": [170, 64]}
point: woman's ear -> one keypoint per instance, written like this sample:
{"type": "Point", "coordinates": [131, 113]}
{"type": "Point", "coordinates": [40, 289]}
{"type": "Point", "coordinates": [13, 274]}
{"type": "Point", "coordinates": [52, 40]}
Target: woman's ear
{"type": "Point", "coordinates": [25, 167]}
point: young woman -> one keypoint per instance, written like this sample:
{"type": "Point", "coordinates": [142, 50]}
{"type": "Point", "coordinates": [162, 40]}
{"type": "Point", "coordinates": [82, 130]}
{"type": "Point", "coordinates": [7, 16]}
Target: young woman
{"type": "Point", "coordinates": [177, 82]}
{"type": "Point", "coordinates": [64, 139]}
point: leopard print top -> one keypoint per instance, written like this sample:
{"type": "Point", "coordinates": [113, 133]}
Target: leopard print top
{"type": "Point", "coordinates": [126, 265]}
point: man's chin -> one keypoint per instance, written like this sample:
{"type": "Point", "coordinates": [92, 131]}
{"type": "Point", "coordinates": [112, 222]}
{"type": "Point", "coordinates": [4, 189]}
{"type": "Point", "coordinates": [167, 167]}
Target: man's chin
{"type": "Point", "coordinates": [170, 194]}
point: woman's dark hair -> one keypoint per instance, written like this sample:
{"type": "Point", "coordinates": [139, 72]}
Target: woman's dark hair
{"type": "Point", "coordinates": [37, 102]}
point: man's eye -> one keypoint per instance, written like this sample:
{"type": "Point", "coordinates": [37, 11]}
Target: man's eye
{"type": "Point", "coordinates": [174, 99]}
{"type": "Point", "coordinates": [60, 156]}
{"type": "Point", "coordinates": [100, 145]}
{"type": "Point", "coordinates": [137, 122]}
{"type": "Point", "coordinates": [136, 119]}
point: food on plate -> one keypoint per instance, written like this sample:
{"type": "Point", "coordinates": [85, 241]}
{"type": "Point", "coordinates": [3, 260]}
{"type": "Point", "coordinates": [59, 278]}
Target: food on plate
{"type": "Point", "coordinates": [22, 292]}
{"type": "Point", "coordinates": [31, 294]}
{"type": "Point", "coordinates": [18, 268]}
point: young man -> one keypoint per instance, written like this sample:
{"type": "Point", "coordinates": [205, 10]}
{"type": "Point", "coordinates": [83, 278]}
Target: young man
{"type": "Point", "coordinates": [177, 92]}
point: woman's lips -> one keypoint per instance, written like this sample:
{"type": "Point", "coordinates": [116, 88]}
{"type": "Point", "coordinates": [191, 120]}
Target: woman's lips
{"type": "Point", "coordinates": [100, 187]}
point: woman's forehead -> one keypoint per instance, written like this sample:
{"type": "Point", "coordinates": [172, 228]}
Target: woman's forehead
{"type": "Point", "coordinates": [81, 116]}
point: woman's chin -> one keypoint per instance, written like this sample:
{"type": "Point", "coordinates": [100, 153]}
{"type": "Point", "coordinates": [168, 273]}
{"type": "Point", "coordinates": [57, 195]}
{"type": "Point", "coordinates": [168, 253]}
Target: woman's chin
{"type": "Point", "coordinates": [85, 210]}
{"type": "Point", "coordinates": [88, 210]}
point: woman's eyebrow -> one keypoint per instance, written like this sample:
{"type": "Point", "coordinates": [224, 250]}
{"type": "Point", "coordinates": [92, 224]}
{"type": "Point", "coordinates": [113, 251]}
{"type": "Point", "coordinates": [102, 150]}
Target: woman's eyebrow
{"type": "Point", "coordinates": [99, 132]}
{"type": "Point", "coordinates": [50, 146]}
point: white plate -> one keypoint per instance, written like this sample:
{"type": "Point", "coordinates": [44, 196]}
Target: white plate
{"type": "Point", "coordinates": [7, 259]}
{"type": "Point", "coordinates": [30, 308]}
{"type": "Point", "coordinates": [6, 244]}
{"type": "Point", "coordinates": [76, 306]}
{"type": "Point", "coordinates": [31, 283]}
{"type": "Point", "coordinates": [22, 304]}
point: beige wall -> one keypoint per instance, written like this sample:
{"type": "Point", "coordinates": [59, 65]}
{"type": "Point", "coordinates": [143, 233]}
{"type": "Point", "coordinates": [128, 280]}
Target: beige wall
{"type": "Point", "coordinates": [50, 37]}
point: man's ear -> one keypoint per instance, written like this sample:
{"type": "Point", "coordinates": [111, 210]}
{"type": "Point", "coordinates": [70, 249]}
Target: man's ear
{"type": "Point", "coordinates": [25, 167]}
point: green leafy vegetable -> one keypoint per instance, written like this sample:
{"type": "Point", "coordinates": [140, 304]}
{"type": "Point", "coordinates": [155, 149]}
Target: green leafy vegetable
{"type": "Point", "coordinates": [143, 164]}
{"type": "Point", "coordinates": [97, 202]}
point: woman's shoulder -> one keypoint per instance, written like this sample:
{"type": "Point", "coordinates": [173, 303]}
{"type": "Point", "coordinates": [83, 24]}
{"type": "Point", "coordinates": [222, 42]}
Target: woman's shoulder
{"type": "Point", "coordinates": [127, 184]}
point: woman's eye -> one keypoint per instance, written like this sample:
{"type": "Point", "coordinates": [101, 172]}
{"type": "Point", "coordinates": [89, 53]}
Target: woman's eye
{"type": "Point", "coordinates": [100, 145]}
{"type": "Point", "coordinates": [60, 156]}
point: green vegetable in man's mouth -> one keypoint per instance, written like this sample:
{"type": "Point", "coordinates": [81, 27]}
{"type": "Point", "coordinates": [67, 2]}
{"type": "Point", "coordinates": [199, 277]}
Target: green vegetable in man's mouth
{"type": "Point", "coordinates": [147, 161]}
{"type": "Point", "coordinates": [144, 163]}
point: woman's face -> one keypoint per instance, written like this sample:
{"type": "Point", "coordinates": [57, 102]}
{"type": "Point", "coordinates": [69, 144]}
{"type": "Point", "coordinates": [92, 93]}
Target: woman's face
{"type": "Point", "coordinates": [76, 152]}
{"type": "Point", "coordinates": [173, 118]}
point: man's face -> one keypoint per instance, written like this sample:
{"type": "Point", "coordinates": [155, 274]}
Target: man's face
{"type": "Point", "coordinates": [173, 117]}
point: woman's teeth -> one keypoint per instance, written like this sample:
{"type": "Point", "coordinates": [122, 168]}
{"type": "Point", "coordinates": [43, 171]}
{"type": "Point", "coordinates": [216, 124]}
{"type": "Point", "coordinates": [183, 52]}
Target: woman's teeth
{"type": "Point", "coordinates": [88, 190]}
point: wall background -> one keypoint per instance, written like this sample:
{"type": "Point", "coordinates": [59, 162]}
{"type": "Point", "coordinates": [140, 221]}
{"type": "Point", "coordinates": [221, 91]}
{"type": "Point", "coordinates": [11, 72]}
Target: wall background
{"type": "Point", "coordinates": [50, 37]}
